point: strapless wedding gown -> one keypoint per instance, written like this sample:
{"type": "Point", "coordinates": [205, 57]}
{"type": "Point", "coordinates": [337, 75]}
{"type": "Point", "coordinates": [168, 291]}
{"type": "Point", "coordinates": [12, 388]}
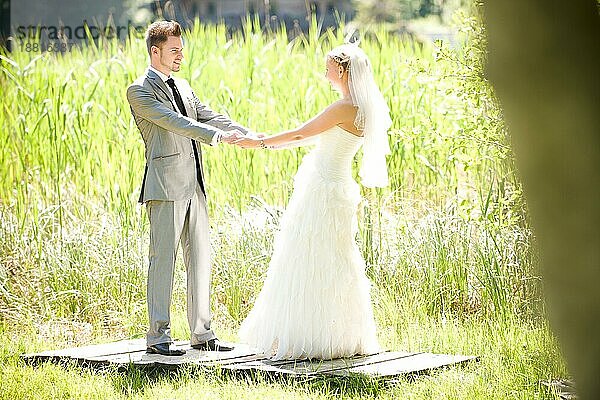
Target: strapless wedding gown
{"type": "Point", "coordinates": [315, 302]}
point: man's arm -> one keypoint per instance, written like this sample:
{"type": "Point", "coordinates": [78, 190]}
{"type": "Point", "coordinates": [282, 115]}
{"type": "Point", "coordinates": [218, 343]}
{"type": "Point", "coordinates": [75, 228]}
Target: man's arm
{"type": "Point", "coordinates": [210, 117]}
{"type": "Point", "coordinates": [145, 105]}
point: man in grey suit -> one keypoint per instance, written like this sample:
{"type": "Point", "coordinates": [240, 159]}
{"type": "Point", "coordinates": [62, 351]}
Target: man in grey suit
{"type": "Point", "coordinates": [172, 120]}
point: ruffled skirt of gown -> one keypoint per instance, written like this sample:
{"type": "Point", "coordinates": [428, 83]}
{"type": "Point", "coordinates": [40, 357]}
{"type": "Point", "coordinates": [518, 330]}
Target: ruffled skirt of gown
{"type": "Point", "coordinates": [315, 302]}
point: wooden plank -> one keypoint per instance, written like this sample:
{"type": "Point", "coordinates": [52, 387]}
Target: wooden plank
{"type": "Point", "coordinates": [80, 354]}
{"type": "Point", "coordinates": [415, 363]}
{"type": "Point", "coordinates": [192, 356]}
{"type": "Point", "coordinates": [124, 346]}
{"type": "Point", "coordinates": [313, 367]}
{"type": "Point", "coordinates": [259, 365]}
{"type": "Point", "coordinates": [132, 351]}
{"type": "Point", "coordinates": [237, 360]}
{"type": "Point", "coordinates": [323, 366]}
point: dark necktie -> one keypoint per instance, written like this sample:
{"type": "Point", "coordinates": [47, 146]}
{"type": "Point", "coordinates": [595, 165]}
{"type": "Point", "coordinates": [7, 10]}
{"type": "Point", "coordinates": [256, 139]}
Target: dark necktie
{"type": "Point", "coordinates": [179, 102]}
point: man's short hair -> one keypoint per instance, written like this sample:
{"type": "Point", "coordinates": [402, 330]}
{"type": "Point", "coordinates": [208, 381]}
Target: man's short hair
{"type": "Point", "coordinates": [158, 32]}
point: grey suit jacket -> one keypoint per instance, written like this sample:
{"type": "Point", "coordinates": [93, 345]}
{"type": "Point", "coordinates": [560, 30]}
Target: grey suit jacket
{"type": "Point", "coordinates": [170, 165]}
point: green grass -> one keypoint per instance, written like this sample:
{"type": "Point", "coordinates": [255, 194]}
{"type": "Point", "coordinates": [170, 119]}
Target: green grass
{"type": "Point", "coordinates": [448, 245]}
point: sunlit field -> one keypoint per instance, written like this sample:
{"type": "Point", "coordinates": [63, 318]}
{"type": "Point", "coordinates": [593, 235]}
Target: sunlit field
{"type": "Point", "coordinates": [448, 245]}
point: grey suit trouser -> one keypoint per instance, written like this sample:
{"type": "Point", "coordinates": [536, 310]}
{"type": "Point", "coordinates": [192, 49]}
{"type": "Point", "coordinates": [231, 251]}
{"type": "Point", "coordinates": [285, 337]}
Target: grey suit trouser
{"type": "Point", "coordinates": [171, 223]}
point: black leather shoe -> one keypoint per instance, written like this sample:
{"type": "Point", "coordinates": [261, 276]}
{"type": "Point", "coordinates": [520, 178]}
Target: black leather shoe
{"type": "Point", "coordinates": [164, 349]}
{"type": "Point", "coordinates": [212, 345]}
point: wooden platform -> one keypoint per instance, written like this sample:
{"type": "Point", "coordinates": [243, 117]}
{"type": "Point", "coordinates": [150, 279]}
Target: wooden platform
{"type": "Point", "coordinates": [126, 353]}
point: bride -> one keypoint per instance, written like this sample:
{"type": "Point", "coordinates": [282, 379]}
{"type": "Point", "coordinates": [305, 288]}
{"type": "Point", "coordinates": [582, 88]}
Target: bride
{"type": "Point", "coordinates": [315, 302]}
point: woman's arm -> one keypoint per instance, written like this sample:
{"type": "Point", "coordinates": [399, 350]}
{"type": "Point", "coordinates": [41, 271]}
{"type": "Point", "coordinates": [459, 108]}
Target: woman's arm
{"type": "Point", "coordinates": [340, 112]}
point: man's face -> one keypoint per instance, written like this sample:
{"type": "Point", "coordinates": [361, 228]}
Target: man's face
{"type": "Point", "coordinates": [171, 53]}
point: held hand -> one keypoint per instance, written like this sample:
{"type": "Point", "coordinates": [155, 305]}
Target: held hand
{"type": "Point", "coordinates": [231, 137]}
{"type": "Point", "coordinates": [248, 143]}
{"type": "Point", "coordinates": [254, 135]}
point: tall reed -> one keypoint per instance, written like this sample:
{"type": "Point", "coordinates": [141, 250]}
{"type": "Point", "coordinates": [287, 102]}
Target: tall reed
{"type": "Point", "coordinates": [451, 227]}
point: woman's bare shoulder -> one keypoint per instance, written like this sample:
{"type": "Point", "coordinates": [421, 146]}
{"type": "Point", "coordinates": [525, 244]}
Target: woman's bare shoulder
{"type": "Point", "coordinates": [345, 107]}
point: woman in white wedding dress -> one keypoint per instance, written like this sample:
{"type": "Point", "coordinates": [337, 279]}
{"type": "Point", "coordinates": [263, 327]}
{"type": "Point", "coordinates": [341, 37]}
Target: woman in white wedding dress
{"type": "Point", "coordinates": [315, 302]}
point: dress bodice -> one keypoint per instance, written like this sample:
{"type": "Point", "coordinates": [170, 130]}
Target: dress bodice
{"type": "Point", "coordinates": [334, 153]}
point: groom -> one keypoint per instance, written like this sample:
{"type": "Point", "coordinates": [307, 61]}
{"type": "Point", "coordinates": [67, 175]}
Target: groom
{"type": "Point", "coordinates": [172, 120]}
